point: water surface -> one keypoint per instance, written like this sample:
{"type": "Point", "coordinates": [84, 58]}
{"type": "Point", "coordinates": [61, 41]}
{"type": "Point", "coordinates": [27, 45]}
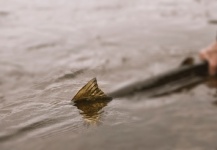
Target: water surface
{"type": "Point", "coordinates": [51, 48]}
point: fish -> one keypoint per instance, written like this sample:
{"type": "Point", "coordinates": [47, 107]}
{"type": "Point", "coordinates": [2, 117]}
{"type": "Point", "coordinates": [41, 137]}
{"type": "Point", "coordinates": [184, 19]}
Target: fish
{"type": "Point", "coordinates": [90, 92]}
{"type": "Point", "coordinates": [173, 80]}
{"type": "Point", "coordinates": [90, 100]}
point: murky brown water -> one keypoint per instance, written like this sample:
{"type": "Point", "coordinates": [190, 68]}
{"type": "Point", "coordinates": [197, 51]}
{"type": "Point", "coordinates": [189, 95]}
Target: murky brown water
{"type": "Point", "coordinates": [50, 48]}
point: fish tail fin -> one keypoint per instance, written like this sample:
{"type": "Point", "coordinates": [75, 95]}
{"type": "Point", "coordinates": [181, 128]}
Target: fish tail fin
{"type": "Point", "coordinates": [90, 92]}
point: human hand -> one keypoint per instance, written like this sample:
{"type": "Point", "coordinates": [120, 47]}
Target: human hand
{"type": "Point", "coordinates": [210, 55]}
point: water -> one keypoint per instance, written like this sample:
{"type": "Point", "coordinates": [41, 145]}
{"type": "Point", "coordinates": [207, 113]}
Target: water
{"type": "Point", "coordinates": [50, 49]}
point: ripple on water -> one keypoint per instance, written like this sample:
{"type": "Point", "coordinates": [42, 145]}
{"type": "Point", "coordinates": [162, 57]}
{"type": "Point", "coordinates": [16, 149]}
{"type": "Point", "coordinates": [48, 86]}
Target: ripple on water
{"type": "Point", "coordinates": [68, 76]}
{"type": "Point", "coordinates": [44, 111]}
{"type": "Point", "coordinates": [44, 122]}
{"type": "Point", "coordinates": [28, 128]}
{"type": "Point", "coordinates": [4, 13]}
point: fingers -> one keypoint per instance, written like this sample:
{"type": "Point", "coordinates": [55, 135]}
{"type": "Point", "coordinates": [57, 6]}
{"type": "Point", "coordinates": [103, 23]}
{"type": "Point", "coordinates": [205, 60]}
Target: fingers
{"type": "Point", "coordinates": [212, 62]}
{"type": "Point", "coordinates": [210, 54]}
{"type": "Point", "coordinates": [213, 67]}
{"type": "Point", "coordinates": [203, 55]}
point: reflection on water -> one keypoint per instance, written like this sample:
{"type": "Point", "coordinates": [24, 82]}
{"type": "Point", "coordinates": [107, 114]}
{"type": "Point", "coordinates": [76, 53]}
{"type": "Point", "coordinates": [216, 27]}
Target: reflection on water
{"type": "Point", "coordinates": [92, 110]}
{"type": "Point", "coordinates": [212, 82]}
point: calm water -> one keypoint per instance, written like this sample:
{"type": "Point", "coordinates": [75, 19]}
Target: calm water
{"type": "Point", "coordinates": [51, 48]}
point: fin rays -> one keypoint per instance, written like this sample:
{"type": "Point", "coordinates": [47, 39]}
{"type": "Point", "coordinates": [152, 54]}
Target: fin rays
{"type": "Point", "coordinates": [90, 91]}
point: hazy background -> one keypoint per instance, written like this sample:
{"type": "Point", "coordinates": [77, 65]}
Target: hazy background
{"type": "Point", "coordinates": [51, 48]}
